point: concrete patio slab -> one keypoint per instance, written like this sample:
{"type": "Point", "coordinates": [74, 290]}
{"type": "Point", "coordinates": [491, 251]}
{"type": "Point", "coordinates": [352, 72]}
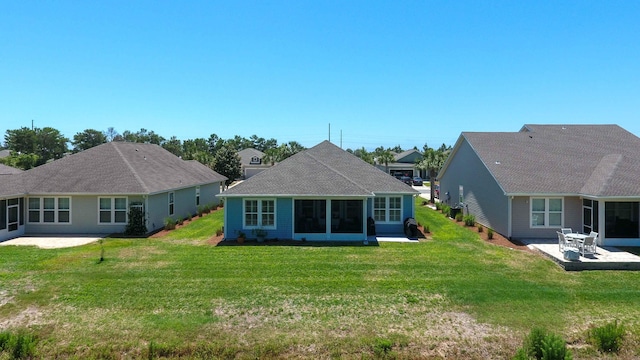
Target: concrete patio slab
{"type": "Point", "coordinates": [52, 242]}
{"type": "Point", "coordinates": [605, 258]}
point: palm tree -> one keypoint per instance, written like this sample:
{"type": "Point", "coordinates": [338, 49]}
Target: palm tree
{"type": "Point", "coordinates": [384, 156]}
{"type": "Point", "coordinates": [432, 161]}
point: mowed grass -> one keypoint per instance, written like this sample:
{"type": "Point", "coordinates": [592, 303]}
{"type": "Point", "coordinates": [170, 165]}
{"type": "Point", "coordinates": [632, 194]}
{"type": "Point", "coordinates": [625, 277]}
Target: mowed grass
{"type": "Point", "coordinates": [452, 296]}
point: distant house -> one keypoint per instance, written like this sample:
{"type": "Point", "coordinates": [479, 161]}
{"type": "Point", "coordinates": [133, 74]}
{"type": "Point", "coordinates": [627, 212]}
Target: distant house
{"type": "Point", "coordinates": [251, 162]}
{"type": "Point", "coordinates": [322, 193]}
{"type": "Point", "coordinates": [404, 164]}
{"type": "Point", "coordinates": [92, 192]}
{"type": "Point", "coordinates": [5, 153]}
{"type": "Point", "coordinates": [529, 184]}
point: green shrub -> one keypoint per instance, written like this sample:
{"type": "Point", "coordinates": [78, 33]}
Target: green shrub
{"type": "Point", "coordinates": [200, 210]}
{"type": "Point", "coordinates": [469, 220]}
{"type": "Point", "coordinates": [426, 229]}
{"type": "Point", "coordinates": [219, 232]}
{"type": "Point", "coordinates": [438, 206]}
{"type": "Point", "coordinates": [541, 345]}
{"type": "Point", "coordinates": [180, 221]}
{"type": "Point", "coordinates": [446, 209]}
{"type": "Point", "coordinates": [555, 348]}
{"type": "Point", "coordinates": [608, 338]}
{"type": "Point", "coordinates": [459, 217]}
{"type": "Point", "coordinates": [20, 346]}
{"type": "Point", "coordinates": [169, 223]}
{"type": "Point", "coordinates": [189, 216]}
{"type": "Point", "coordinates": [136, 225]}
{"type": "Point", "coordinates": [490, 233]}
{"type": "Point", "coordinates": [480, 229]}
{"type": "Point", "coordinates": [382, 347]}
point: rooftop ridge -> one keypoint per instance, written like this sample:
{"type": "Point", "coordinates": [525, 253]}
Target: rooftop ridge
{"type": "Point", "coordinates": [328, 166]}
{"type": "Point", "coordinates": [131, 168]}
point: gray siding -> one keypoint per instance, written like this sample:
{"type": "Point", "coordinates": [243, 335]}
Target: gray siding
{"type": "Point", "coordinates": [483, 196]}
{"type": "Point", "coordinates": [157, 210]}
{"type": "Point", "coordinates": [208, 194]}
{"type": "Point", "coordinates": [521, 218]}
{"type": "Point", "coordinates": [84, 218]}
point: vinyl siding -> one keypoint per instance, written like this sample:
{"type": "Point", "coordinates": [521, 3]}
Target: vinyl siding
{"type": "Point", "coordinates": [483, 197]}
{"type": "Point", "coordinates": [521, 218]}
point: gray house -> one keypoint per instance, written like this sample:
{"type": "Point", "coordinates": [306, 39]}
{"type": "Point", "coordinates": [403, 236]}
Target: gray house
{"type": "Point", "coordinates": [529, 184]}
{"type": "Point", "coordinates": [91, 192]}
{"type": "Point", "coordinates": [404, 164]}
{"type": "Point", "coordinates": [251, 162]}
{"type": "Point", "coordinates": [322, 193]}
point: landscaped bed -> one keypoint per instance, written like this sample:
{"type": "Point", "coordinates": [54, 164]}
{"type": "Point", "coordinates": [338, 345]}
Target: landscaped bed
{"type": "Point", "coordinates": [452, 295]}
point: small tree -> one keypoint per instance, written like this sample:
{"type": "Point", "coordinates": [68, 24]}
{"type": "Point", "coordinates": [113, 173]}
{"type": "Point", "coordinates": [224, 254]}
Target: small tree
{"type": "Point", "coordinates": [227, 163]}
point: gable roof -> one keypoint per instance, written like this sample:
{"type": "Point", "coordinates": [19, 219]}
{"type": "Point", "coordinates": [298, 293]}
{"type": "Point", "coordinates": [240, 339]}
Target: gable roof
{"type": "Point", "coordinates": [597, 160]}
{"type": "Point", "coordinates": [116, 168]}
{"type": "Point", "coordinates": [247, 154]}
{"type": "Point", "coordinates": [323, 170]}
{"type": "Point", "coordinates": [411, 154]}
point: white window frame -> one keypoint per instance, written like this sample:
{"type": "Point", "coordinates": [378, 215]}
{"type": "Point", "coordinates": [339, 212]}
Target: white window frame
{"type": "Point", "coordinates": [171, 200]}
{"type": "Point", "coordinates": [546, 213]}
{"type": "Point", "coordinates": [260, 214]}
{"type": "Point", "coordinates": [41, 210]}
{"type": "Point", "coordinates": [388, 209]}
{"type": "Point", "coordinates": [112, 210]}
{"type": "Point", "coordinates": [197, 195]}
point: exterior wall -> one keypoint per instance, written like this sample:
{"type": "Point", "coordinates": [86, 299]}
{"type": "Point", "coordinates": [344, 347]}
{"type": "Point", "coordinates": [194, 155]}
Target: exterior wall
{"type": "Point", "coordinates": [84, 218]}
{"type": "Point", "coordinates": [233, 219]}
{"type": "Point", "coordinates": [483, 197]}
{"type": "Point", "coordinates": [208, 194]}
{"type": "Point", "coordinates": [250, 171]}
{"type": "Point", "coordinates": [521, 222]}
{"type": "Point", "coordinates": [408, 208]}
{"type": "Point", "coordinates": [156, 210]}
{"type": "Point", "coordinates": [5, 234]}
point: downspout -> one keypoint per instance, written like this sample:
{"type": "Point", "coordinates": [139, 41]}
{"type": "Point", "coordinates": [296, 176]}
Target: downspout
{"type": "Point", "coordinates": [509, 216]}
{"type": "Point", "coordinates": [601, 223]}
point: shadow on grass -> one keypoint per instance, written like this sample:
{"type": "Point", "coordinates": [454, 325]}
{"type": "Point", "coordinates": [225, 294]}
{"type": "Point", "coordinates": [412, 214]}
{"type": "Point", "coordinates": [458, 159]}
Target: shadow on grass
{"type": "Point", "coordinates": [281, 242]}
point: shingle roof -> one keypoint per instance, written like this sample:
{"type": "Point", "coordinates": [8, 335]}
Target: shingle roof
{"type": "Point", "coordinates": [323, 170]}
{"type": "Point", "coordinates": [116, 168]}
{"type": "Point", "coordinates": [399, 157]}
{"type": "Point", "coordinates": [8, 170]}
{"type": "Point", "coordinates": [598, 160]}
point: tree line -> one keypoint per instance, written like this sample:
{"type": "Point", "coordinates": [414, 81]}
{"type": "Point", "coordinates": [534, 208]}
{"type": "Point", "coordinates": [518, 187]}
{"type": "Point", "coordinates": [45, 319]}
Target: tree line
{"type": "Point", "coordinates": [31, 147]}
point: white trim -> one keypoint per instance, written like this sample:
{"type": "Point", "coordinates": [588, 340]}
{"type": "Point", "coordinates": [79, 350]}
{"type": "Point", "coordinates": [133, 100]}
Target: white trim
{"type": "Point", "coordinates": [112, 210]}
{"type": "Point", "coordinates": [171, 203]}
{"type": "Point", "coordinates": [259, 213]}
{"type": "Point", "coordinates": [547, 212]}
{"type": "Point", "coordinates": [387, 209]}
{"type": "Point", "coordinates": [197, 199]}
{"type": "Point", "coordinates": [41, 210]}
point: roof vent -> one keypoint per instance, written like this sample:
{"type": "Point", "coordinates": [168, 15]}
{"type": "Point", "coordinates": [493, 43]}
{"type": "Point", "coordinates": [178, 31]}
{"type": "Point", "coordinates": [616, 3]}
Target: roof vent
{"type": "Point", "coordinates": [564, 128]}
{"type": "Point", "coordinates": [497, 162]}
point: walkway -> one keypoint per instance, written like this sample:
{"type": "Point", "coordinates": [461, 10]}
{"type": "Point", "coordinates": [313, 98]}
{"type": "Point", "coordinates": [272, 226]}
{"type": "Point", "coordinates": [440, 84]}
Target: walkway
{"type": "Point", "coordinates": [606, 258]}
{"type": "Point", "coordinates": [52, 242]}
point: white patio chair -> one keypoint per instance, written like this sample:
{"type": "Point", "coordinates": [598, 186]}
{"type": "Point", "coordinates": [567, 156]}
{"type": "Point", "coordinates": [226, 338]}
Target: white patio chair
{"type": "Point", "coordinates": [595, 236]}
{"type": "Point", "coordinates": [566, 230]}
{"type": "Point", "coordinates": [588, 246]}
{"type": "Point", "coordinates": [566, 242]}
{"type": "Point", "coordinates": [560, 241]}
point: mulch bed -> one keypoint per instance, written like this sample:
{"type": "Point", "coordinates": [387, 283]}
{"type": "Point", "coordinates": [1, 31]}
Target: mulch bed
{"type": "Point", "coordinates": [218, 240]}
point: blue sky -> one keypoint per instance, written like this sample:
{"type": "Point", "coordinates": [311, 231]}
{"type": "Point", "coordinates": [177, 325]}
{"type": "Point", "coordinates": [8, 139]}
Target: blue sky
{"type": "Point", "coordinates": [380, 72]}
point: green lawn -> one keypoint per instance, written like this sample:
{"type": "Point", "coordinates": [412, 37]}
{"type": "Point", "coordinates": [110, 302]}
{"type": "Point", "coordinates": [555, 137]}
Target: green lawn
{"type": "Point", "coordinates": [451, 296]}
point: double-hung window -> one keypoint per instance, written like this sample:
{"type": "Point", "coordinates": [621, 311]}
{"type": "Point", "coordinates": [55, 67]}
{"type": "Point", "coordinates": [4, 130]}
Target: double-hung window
{"type": "Point", "coordinates": [546, 212]}
{"type": "Point", "coordinates": [197, 195]}
{"type": "Point", "coordinates": [52, 210]}
{"type": "Point", "coordinates": [171, 203]}
{"type": "Point", "coordinates": [112, 210]}
{"type": "Point", "coordinates": [387, 209]}
{"type": "Point", "coordinates": [259, 213]}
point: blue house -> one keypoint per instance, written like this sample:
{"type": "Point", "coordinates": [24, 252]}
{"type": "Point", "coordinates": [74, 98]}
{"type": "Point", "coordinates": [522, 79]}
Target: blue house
{"type": "Point", "coordinates": [321, 194]}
